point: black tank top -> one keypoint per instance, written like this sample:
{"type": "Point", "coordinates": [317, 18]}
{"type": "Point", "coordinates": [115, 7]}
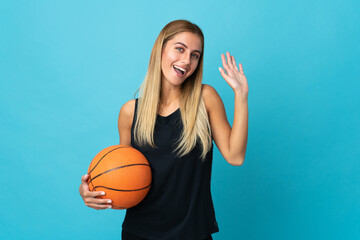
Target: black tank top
{"type": "Point", "coordinates": [179, 204]}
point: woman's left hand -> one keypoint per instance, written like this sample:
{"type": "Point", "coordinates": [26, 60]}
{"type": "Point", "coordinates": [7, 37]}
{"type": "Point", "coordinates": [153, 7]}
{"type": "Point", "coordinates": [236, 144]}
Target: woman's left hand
{"type": "Point", "coordinates": [234, 76]}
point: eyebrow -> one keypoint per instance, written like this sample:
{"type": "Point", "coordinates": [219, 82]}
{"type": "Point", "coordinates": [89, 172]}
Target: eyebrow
{"type": "Point", "coordinates": [187, 47]}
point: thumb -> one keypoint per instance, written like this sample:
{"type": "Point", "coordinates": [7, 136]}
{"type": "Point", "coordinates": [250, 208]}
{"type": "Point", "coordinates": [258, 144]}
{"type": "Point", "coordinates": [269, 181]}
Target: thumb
{"type": "Point", "coordinates": [84, 182]}
{"type": "Point", "coordinates": [223, 74]}
{"type": "Point", "coordinates": [84, 178]}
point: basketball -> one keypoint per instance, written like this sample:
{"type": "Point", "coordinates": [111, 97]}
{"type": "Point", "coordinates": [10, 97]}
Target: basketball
{"type": "Point", "coordinates": [123, 173]}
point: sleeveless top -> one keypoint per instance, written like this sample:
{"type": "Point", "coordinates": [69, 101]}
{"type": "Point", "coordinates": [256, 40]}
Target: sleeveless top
{"type": "Point", "coordinates": [178, 205]}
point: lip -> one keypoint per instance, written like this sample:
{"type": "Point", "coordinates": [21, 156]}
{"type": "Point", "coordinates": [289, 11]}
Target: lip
{"type": "Point", "coordinates": [178, 74]}
{"type": "Point", "coordinates": [183, 68]}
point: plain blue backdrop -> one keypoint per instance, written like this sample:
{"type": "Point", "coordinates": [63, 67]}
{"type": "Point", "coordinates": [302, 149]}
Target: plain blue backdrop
{"type": "Point", "coordinates": [66, 68]}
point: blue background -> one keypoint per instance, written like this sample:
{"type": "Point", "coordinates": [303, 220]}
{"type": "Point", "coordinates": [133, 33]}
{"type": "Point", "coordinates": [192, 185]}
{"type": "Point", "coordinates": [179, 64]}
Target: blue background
{"type": "Point", "coordinates": [66, 68]}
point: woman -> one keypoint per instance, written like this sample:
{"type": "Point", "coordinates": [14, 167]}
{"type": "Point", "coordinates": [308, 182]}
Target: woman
{"type": "Point", "coordinates": [173, 123]}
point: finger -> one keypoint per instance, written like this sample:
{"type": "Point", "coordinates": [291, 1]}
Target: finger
{"type": "Point", "coordinates": [85, 187]}
{"type": "Point", "coordinates": [102, 201]}
{"type": "Point", "coordinates": [99, 206]}
{"type": "Point", "coordinates": [94, 194]}
{"type": "Point", "coordinates": [84, 183]}
{"type": "Point", "coordinates": [234, 63]}
{"type": "Point", "coordinates": [84, 178]}
{"type": "Point", "coordinates": [229, 60]}
{"type": "Point", "coordinates": [225, 65]}
{"type": "Point", "coordinates": [223, 74]}
{"type": "Point", "coordinates": [97, 203]}
{"type": "Point", "coordinates": [226, 77]}
{"type": "Point", "coordinates": [241, 68]}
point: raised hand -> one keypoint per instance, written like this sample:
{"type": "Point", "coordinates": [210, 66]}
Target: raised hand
{"type": "Point", "coordinates": [234, 76]}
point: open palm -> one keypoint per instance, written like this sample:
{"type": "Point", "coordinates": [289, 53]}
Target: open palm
{"type": "Point", "coordinates": [234, 76]}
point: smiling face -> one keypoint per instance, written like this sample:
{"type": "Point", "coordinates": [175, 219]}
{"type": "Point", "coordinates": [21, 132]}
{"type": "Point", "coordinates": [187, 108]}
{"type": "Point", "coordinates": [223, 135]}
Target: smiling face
{"type": "Point", "coordinates": [180, 57]}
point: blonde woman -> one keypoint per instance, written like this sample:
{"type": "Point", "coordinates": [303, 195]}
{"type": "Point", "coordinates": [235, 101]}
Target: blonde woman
{"type": "Point", "coordinates": [173, 123]}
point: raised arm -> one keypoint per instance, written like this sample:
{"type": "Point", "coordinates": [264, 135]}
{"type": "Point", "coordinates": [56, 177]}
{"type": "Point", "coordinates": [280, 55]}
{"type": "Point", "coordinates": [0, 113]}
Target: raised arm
{"type": "Point", "coordinates": [231, 141]}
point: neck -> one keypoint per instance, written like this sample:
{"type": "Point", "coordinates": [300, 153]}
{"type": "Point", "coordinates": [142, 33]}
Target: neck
{"type": "Point", "coordinates": [169, 95]}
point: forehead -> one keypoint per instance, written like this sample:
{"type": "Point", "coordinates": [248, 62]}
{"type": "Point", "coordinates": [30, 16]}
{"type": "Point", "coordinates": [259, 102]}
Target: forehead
{"type": "Point", "coordinates": [191, 40]}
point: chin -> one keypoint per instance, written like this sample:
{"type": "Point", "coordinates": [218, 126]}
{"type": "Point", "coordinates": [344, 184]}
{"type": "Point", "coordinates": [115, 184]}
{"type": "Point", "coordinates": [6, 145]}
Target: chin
{"type": "Point", "coordinates": [176, 82]}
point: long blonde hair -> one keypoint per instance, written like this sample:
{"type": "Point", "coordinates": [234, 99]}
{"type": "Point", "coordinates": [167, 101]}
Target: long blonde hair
{"type": "Point", "coordinates": [194, 117]}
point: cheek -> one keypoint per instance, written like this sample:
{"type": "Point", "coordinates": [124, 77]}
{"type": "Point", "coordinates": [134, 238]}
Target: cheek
{"type": "Point", "coordinates": [194, 66]}
{"type": "Point", "coordinates": [168, 59]}
{"type": "Point", "coordinates": [171, 57]}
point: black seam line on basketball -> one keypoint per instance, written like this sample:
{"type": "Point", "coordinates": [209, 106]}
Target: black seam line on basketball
{"type": "Point", "coordinates": [122, 190]}
{"type": "Point", "coordinates": [113, 169]}
{"type": "Point", "coordinates": [93, 188]}
{"type": "Point", "coordinates": [105, 155]}
{"type": "Point", "coordinates": [91, 183]}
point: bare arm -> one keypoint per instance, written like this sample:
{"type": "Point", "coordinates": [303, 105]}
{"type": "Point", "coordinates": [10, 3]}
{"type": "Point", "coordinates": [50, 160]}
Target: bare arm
{"type": "Point", "coordinates": [231, 141]}
{"type": "Point", "coordinates": [126, 116]}
{"type": "Point", "coordinates": [124, 125]}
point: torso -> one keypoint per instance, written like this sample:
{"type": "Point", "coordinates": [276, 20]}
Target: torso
{"type": "Point", "coordinates": [179, 201]}
{"type": "Point", "coordinates": [165, 111]}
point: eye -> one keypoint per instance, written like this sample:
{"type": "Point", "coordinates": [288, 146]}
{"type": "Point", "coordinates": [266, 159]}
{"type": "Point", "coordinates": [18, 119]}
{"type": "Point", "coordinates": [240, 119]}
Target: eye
{"type": "Point", "coordinates": [196, 56]}
{"type": "Point", "coordinates": [180, 49]}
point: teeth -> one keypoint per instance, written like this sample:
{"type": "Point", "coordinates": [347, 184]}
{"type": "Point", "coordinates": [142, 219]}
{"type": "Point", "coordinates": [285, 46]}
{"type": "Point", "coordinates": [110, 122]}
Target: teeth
{"type": "Point", "coordinates": [180, 68]}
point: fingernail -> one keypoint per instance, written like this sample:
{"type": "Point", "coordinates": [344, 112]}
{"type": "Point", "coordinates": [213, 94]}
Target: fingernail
{"type": "Point", "coordinates": [103, 193]}
{"type": "Point", "coordinates": [109, 201]}
{"type": "Point", "coordinates": [220, 69]}
{"type": "Point", "coordinates": [109, 206]}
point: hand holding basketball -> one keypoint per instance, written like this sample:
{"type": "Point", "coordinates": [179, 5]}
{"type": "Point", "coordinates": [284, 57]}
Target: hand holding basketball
{"type": "Point", "coordinates": [90, 197]}
{"type": "Point", "coordinates": [123, 172]}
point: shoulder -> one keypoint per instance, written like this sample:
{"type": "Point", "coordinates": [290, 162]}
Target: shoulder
{"type": "Point", "coordinates": [127, 111]}
{"type": "Point", "coordinates": [210, 97]}
{"type": "Point", "coordinates": [207, 91]}
{"type": "Point", "coordinates": [125, 122]}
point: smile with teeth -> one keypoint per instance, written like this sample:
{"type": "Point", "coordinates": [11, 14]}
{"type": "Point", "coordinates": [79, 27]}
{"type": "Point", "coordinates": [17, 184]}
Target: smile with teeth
{"type": "Point", "coordinates": [179, 71]}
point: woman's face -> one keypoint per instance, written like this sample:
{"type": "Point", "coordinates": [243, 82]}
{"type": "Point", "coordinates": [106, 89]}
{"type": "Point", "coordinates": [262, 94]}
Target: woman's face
{"type": "Point", "coordinates": [180, 57]}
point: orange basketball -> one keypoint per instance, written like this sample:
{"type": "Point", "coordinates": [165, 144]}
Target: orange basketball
{"type": "Point", "coordinates": [123, 173]}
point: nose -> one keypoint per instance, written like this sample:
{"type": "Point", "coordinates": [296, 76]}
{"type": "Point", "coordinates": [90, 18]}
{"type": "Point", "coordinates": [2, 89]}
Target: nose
{"type": "Point", "coordinates": [186, 57]}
